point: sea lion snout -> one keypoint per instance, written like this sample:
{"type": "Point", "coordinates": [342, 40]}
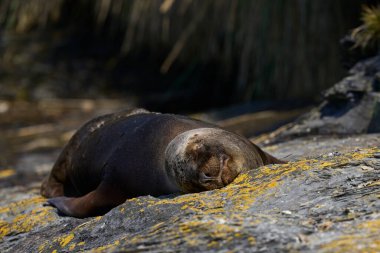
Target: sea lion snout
{"type": "Point", "coordinates": [210, 158]}
{"type": "Point", "coordinates": [216, 177]}
{"type": "Point", "coordinates": [206, 162]}
{"type": "Point", "coordinates": [213, 165]}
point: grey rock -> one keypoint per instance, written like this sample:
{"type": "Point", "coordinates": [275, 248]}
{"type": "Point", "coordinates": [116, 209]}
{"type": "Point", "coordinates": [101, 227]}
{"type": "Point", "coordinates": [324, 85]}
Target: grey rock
{"type": "Point", "coordinates": [325, 200]}
{"type": "Point", "coordinates": [351, 106]}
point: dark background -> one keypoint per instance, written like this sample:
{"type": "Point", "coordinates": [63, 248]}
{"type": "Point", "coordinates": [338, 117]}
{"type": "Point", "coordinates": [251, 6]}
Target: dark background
{"type": "Point", "coordinates": [172, 55]}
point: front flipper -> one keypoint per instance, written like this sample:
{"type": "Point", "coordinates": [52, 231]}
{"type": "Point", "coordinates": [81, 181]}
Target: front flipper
{"type": "Point", "coordinates": [97, 202]}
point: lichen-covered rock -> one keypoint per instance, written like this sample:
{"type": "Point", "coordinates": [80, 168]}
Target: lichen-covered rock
{"type": "Point", "coordinates": [326, 199]}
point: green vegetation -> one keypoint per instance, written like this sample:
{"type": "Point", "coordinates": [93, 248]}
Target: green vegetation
{"type": "Point", "coordinates": [368, 34]}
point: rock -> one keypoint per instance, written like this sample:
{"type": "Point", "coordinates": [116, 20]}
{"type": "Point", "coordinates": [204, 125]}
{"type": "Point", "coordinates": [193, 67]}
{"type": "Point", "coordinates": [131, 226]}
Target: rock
{"type": "Point", "coordinates": [351, 106]}
{"type": "Point", "coordinates": [327, 200]}
{"type": "Point", "coordinates": [351, 53]}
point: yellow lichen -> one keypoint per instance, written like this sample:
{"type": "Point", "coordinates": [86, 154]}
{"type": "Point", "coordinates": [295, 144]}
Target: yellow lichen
{"type": "Point", "coordinates": [353, 243]}
{"type": "Point", "coordinates": [22, 223]}
{"type": "Point", "coordinates": [363, 153]}
{"type": "Point", "coordinates": [66, 239]}
{"type": "Point", "coordinates": [326, 164]}
{"type": "Point", "coordinates": [213, 244]}
{"type": "Point", "coordinates": [21, 205]}
{"type": "Point", "coordinates": [4, 228]}
{"type": "Point", "coordinates": [72, 246]}
{"type": "Point", "coordinates": [107, 247]}
{"type": "Point", "coordinates": [41, 247]}
{"type": "Point", "coordinates": [252, 240]}
{"type": "Point", "coordinates": [376, 183]}
{"type": "Point", "coordinates": [372, 226]}
{"type": "Point", "coordinates": [364, 238]}
{"type": "Point", "coordinates": [245, 189]}
{"type": "Point", "coordinates": [241, 194]}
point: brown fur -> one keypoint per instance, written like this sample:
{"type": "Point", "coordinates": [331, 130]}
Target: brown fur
{"type": "Point", "coordinates": [135, 153]}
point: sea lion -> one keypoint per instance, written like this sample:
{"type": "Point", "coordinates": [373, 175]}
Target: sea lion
{"type": "Point", "coordinates": [134, 153]}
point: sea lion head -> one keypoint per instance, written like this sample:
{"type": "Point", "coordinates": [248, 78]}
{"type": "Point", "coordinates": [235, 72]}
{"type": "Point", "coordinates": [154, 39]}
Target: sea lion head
{"type": "Point", "coordinates": [209, 158]}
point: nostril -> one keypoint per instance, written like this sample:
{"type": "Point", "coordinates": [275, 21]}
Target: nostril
{"type": "Point", "coordinates": [224, 157]}
{"type": "Point", "coordinates": [206, 177]}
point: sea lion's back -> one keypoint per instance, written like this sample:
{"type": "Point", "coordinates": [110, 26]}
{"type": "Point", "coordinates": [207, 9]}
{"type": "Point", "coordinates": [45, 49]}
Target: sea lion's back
{"type": "Point", "coordinates": [128, 148]}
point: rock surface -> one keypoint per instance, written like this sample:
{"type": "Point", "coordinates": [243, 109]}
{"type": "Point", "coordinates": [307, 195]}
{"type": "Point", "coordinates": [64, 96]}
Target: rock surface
{"type": "Point", "coordinates": [351, 106]}
{"type": "Point", "coordinates": [327, 199]}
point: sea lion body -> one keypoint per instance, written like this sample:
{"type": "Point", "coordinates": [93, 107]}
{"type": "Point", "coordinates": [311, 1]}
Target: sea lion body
{"type": "Point", "coordinates": [129, 154]}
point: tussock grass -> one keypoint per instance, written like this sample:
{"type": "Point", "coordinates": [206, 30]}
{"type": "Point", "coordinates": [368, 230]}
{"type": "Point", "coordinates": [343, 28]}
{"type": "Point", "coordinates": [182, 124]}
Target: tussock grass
{"type": "Point", "coordinates": [272, 49]}
{"type": "Point", "coordinates": [368, 34]}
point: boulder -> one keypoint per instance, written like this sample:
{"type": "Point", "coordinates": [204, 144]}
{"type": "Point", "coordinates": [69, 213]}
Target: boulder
{"type": "Point", "coordinates": [326, 199]}
{"type": "Point", "coordinates": [351, 106]}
